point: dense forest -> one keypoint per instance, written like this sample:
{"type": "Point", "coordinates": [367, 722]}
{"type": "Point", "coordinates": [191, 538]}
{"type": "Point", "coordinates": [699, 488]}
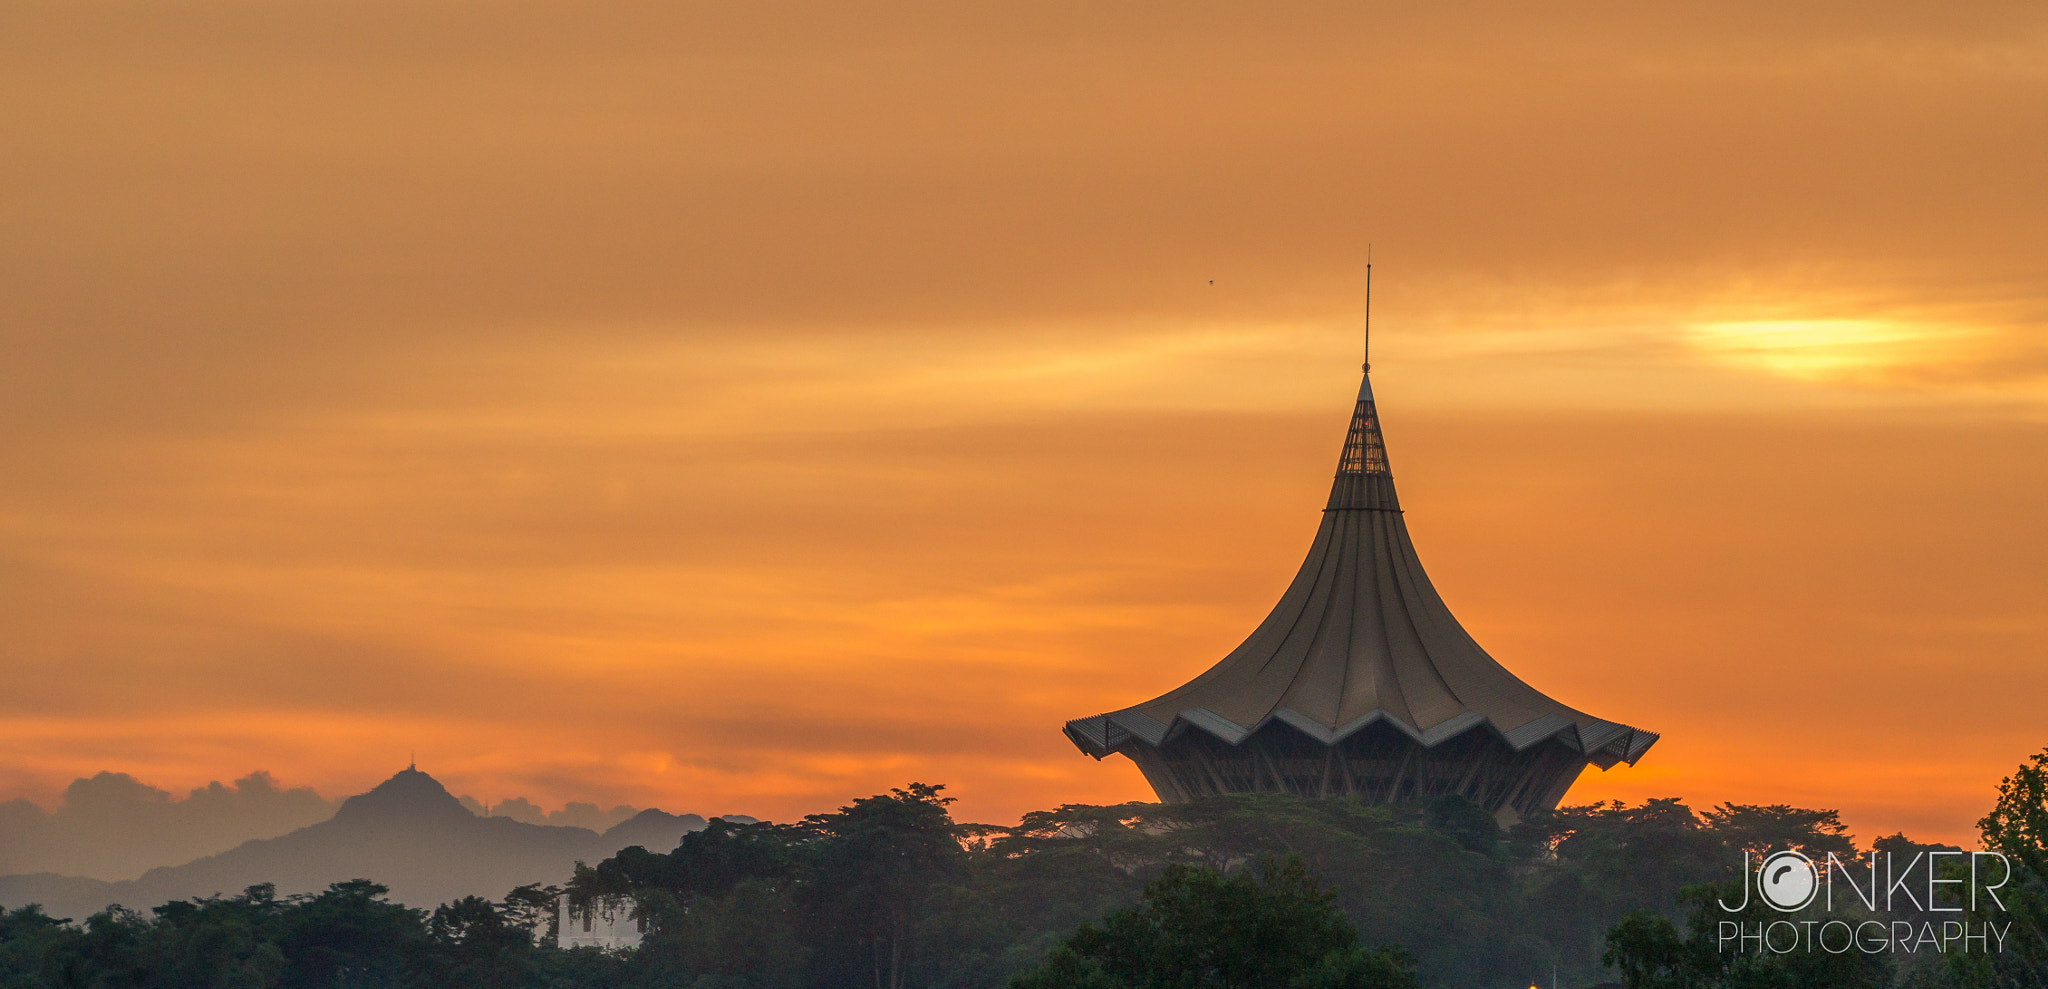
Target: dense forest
{"type": "Point", "coordinates": [891, 892]}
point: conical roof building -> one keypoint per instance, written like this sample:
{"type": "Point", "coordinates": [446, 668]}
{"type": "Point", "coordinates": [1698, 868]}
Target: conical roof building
{"type": "Point", "coordinates": [1360, 682]}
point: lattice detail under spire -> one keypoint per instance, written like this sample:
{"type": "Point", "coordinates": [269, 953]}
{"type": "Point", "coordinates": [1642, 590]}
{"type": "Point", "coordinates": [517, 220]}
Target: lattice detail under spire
{"type": "Point", "coordinates": [1365, 452]}
{"type": "Point", "coordinates": [1364, 482]}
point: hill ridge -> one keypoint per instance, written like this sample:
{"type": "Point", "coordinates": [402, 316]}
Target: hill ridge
{"type": "Point", "coordinates": [408, 833]}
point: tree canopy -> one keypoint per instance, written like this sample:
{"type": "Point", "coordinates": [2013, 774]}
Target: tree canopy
{"type": "Point", "coordinates": [1195, 928]}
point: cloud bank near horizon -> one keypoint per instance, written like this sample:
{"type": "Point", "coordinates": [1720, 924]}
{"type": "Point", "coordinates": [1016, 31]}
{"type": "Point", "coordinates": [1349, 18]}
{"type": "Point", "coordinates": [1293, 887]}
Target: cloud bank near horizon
{"type": "Point", "coordinates": [113, 826]}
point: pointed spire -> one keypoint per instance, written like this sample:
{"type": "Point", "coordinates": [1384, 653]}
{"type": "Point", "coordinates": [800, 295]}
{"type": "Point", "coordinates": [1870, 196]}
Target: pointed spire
{"type": "Point", "coordinates": [1364, 480]}
{"type": "Point", "coordinates": [1365, 451]}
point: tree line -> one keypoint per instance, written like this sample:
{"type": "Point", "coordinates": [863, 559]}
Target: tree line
{"type": "Point", "coordinates": [890, 892]}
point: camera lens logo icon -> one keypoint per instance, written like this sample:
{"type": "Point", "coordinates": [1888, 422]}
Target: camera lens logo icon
{"type": "Point", "coordinates": [1788, 881]}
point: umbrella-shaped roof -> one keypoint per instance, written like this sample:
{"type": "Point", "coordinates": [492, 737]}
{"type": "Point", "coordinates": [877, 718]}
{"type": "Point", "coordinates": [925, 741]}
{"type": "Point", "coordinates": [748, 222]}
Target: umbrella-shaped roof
{"type": "Point", "coordinates": [1361, 637]}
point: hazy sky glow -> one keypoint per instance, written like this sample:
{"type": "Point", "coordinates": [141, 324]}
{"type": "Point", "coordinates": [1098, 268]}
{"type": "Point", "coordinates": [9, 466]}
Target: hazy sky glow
{"type": "Point", "coordinates": [747, 407]}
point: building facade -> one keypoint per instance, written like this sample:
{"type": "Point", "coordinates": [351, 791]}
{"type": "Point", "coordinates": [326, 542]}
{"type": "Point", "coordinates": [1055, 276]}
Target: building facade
{"type": "Point", "coordinates": [597, 925]}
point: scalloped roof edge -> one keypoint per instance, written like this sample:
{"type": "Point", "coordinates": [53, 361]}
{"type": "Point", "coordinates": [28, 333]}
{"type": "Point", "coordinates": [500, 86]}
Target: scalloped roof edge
{"type": "Point", "coordinates": [1103, 734]}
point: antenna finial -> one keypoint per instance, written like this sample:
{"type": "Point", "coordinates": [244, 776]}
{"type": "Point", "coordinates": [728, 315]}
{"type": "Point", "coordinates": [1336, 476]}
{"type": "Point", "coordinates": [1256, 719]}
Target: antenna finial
{"type": "Point", "coordinates": [1367, 349]}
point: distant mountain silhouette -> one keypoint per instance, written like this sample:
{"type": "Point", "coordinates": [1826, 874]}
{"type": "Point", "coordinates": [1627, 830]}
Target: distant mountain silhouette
{"type": "Point", "coordinates": [408, 833]}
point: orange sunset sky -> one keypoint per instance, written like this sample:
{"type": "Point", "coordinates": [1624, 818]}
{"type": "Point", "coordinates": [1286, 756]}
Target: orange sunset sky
{"type": "Point", "coordinates": [750, 406]}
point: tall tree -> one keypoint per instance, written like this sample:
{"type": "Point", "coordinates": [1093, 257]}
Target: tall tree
{"type": "Point", "coordinates": [478, 946]}
{"type": "Point", "coordinates": [877, 862]}
{"type": "Point", "coordinates": [2016, 827]}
